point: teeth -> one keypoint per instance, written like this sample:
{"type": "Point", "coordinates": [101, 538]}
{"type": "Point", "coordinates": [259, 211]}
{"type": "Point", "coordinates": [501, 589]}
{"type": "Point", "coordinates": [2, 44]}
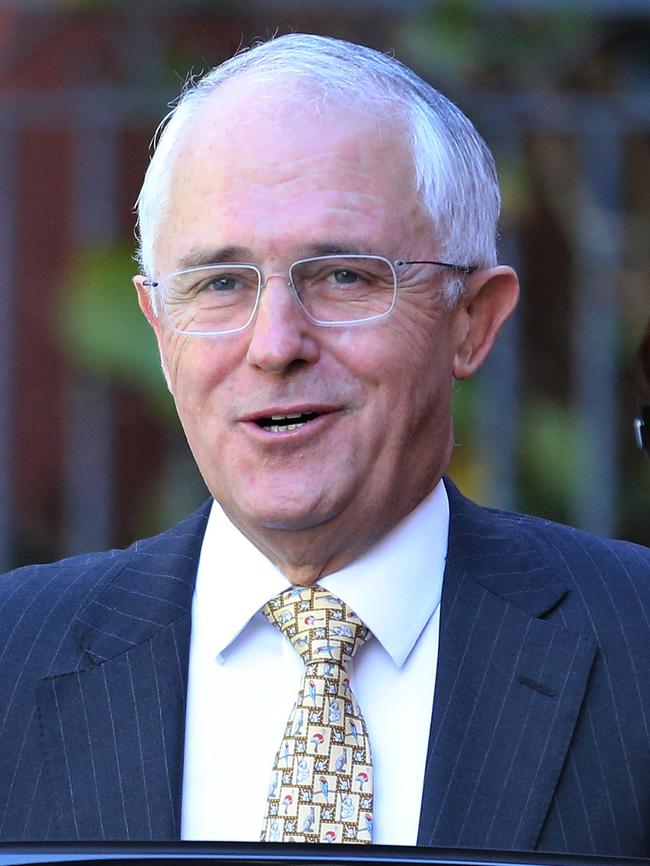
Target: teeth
{"type": "Point", "coordinates": [286, 423]}
{"type": "Point", "coordinates": [282, 428]}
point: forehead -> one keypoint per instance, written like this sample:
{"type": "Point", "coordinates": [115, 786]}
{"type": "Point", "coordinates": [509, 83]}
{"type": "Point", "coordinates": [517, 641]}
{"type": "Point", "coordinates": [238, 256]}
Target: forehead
{"type": "Point", "coordinates": [268, 166]}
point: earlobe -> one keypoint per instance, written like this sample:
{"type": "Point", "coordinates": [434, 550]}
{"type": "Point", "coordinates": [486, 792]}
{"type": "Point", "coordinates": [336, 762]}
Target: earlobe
{"type": "Point", "coordinates": [492, 295]}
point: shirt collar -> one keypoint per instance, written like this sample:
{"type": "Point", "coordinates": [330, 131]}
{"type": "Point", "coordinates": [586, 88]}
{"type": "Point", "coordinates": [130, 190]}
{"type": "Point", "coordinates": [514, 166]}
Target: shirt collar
{"type": "Point", "coordinates": [395, 587]}
{"type": "Point", "coordinates": [234, 580]}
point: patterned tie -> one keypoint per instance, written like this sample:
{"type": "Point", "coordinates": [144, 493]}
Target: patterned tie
{"type": "Point", "coordinates": [321, 785]}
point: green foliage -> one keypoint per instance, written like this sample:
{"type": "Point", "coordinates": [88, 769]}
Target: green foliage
{"type": "Point", "coordinates": [465, 39]}
{"type": "Point", "coordinates": [549, 437]}
{"type": "Point", "coordinates": [466, 467]}
{"type": "Point", "coordinates": [102, 328]}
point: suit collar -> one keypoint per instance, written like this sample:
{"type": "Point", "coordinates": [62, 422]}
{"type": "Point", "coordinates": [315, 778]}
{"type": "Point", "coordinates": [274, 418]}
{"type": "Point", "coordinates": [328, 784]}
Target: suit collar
{"type": "Point", "coordinates": [509, 686]}
{"type": "Point", "coordinates": [149, 587]}
{"type": "Point", "coordinates": [500, 552]}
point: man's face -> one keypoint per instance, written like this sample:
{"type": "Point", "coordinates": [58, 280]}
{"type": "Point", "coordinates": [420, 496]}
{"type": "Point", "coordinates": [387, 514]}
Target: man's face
{"type": "Point", "coordinates": [262, 181]}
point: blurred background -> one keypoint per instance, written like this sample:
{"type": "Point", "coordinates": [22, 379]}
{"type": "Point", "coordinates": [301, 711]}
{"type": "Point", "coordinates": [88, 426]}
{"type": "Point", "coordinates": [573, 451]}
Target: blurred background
{"type": "Point", "coordinates": [91, 454]}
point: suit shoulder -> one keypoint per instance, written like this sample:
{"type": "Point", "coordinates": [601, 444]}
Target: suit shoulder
{"type": "Point", "coordinates": [568, 543]}
{"type": "Point", "coordinates": [70, 575]}
{"type": "Point", "coordinates": [596, 587]}
{"type": "Point", "coordinates": [512, 541]}
{"type": "Point", "coordinates": [188, 530]}
{"type": "Point", "coordinates": [55, 592]}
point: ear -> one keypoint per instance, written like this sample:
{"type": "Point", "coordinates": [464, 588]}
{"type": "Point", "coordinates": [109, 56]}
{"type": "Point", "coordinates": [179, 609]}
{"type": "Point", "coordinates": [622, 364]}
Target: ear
{"type": "Point", "coordinates": [146, 302]}
{"type": "Point", "coordinates": [147, 305]}
{"type": "Point", "coordinates": [491, 296]}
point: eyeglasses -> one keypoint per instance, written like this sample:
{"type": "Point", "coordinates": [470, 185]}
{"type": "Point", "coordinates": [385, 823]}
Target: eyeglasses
{"type": "Point", "coordinates": [332, 290]}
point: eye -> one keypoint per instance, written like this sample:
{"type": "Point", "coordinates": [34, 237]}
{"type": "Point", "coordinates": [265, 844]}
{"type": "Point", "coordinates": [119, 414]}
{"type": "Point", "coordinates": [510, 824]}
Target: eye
{"type": "Point", "coordinates": [345, 277]}
{"type": "Point", "coordinates": [223, 283]}
{"type": "Point", "coordinates": [227, 281]}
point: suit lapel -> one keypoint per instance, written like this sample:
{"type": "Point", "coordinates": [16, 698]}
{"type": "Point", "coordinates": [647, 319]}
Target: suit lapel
{"type": "Point", "coordinates": [509, 688]}
{"type": "Point", "coordinates": [113, 730]}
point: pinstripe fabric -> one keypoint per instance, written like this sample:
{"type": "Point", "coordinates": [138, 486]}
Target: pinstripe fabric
{"type": "Point", "coordinates": [539, 737]}
{"type": "Point", "coordinates": [540, 730]}
{"type": "Point", "coordinates": [93, 671]}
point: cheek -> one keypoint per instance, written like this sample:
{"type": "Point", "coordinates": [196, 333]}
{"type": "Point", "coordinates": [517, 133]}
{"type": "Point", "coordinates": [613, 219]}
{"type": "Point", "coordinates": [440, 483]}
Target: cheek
{"type": "Point", "coordinates": [196, 366]}
{"type": "Point", "coordinates": [400, 369]}
{"type": "Point", "coordinates": [418, 361]}
{"type": "Point", "coordinates": [400, 356]}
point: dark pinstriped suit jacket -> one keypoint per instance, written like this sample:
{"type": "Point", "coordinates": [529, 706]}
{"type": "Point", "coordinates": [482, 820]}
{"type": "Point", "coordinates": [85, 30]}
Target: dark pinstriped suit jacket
{"type": "Point", "coordinates": [540, 736]}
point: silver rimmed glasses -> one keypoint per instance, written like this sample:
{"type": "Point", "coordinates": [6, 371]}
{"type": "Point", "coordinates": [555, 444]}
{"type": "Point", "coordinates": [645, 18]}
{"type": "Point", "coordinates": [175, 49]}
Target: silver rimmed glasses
{"type": "Point", "coordinates": [333, 290]}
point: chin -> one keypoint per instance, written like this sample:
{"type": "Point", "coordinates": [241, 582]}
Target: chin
{"type": "Point", "coordinates": [289, 517]}
{"type": "Point", "coordinates": [281, 501]}
{"type": "Point", "coordinates": [291, 521]}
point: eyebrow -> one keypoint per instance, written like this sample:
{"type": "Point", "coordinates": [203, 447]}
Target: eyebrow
{"type": "Point", "coordinates": [197, 258]}
{"type": "Point", "coordinates": [337, 249]}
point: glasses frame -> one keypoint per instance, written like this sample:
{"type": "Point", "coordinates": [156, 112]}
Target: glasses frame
{"type": "Point", "coordinates": [158, 285]}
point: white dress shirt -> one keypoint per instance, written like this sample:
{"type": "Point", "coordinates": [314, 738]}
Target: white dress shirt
{"type": "Point", "coordinates": [244, 675]}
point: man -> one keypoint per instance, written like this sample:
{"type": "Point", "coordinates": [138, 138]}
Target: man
{"type": "Point", "coordinates": [318, 265]}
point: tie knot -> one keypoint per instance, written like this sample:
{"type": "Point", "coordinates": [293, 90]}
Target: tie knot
{"type": "Point", "coordinates": [321, 627]}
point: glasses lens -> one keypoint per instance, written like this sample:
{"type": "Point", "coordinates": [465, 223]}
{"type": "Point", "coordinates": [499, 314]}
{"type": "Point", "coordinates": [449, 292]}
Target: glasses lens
{"type": "Point", "coordinates": [211, 300]}
{"type": "Point", "coordinates": [345, 289]}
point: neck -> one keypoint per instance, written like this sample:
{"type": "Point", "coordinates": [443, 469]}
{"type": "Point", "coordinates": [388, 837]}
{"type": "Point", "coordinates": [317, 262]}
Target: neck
{"type": "Point", "coordinates": [307, 555]}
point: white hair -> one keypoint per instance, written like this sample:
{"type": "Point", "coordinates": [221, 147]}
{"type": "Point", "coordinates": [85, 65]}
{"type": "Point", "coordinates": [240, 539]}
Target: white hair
{"type": "Point", "coordinates": [455, 175]}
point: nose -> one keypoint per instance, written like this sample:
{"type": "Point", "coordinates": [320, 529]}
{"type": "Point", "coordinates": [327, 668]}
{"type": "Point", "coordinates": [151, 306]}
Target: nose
{"type": "Point", "coordinates": [281, 333]}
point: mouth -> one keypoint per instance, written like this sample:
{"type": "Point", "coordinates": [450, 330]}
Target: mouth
{"type": "Point", "coordinates": [290, 422]}
{"type": "Point", "coordinates": [286, 423]}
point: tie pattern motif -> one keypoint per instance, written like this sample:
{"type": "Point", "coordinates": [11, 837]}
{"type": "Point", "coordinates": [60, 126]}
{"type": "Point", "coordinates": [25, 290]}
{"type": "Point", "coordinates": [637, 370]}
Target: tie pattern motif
{"type": "Point", "coordinates": [321, 785]}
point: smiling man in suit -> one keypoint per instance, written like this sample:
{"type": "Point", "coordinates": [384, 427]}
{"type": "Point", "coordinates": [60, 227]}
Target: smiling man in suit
{"type": "Point", "coordinates": [318, 265]}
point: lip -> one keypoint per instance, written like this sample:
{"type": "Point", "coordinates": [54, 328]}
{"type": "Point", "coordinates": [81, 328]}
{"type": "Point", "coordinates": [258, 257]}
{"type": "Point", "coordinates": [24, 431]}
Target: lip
{"type": "Point", "coordinates": [326, 416]}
